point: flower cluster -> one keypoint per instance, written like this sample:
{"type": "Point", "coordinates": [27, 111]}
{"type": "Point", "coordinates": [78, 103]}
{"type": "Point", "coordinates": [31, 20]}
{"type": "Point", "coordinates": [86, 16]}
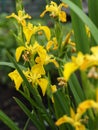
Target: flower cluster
{"type": "Point", "coordinates": [33, 53]}
{"type": "Point", "coordinates": [59, 53]}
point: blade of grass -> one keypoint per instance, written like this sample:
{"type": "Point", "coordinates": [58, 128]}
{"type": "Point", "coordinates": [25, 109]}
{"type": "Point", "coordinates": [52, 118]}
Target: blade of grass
{"type": "Point", "coordinates": [9, 64]}
{"type": "Point", "coordinates": [8, 121]}
{"type": "Point", "coordinates": [32, 102]}
{"type": "Point", "coordinates": [26, 124]}
{"type": "Point", "coordinates": [61, 100]}
{"type": "Point", "coordinates": [76, 89]}
{"type": "Point", "coordinates": [84, 18]}
{"type": "Point", "coordinates": [61, 106]}
{"type": "Point", "coordinates": [87, 86]}
{"type": "Point", "coordinates": [31, 115]}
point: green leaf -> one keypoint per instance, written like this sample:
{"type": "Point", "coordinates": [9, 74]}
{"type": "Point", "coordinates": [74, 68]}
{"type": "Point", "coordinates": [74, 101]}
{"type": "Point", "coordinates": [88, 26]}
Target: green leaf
{"type": "Point", "coordinates": [76, 89]}
{"type": "Point", "coordinates": [93, 11]}
{"type": "Point", "coordinates": [93, 14]}
{"type": "Point", "coordinates": [61, 106]}
{"type": "Point", "coordinates": [87, 86]}
{"type": "Point", "coordinates": [19, 5]}
{"type": "Point", "coordinates": [84, 18]}
{"type": "Point", "coordinates": [81, 38]}
{"type": "Point", "coordinates": [60, 99]}
{"type": "Point", "coordinates": [9, 64]}
{"type": "Point", "coordinates": [95, 124]}
{"type": "Point", "coordinates": [8, 121]}
{"type": "Point", "coordinates": [31, 101]}
{"type": "Point", "coordinates": [31, 115]}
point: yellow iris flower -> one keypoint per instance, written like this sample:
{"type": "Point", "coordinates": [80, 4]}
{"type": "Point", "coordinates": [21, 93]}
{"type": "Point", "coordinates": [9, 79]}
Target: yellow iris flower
{"type": "Point", "coordinates": [56, 11]}
{"type": "Point", "coordinates": [75, 119]}
{"type": "Point", "coordinates": [43, 83]}
{"type": "Point", "coordinates": [68, 40]}
{"type": "Point", "coordinates": [52, 43]}
{"type": "Point", "coordinates": [90, 60]}
{"type": "Point", "coordinates": [72, 66]}
{"type": "Point", "coordinates": [30, 49]}
{"type": "Point", "coordinates": [16, 78]}
{"type": "Point", "coordinates": [44, 58]}
{"type": "Point", "coordinates": [20, 17]}
{"type": "Point", "coordinates": [30, 30]}
{"type": "Point", "coordinates": [81, 62]}
{"type": "Point", "coordinates": [35, 77]}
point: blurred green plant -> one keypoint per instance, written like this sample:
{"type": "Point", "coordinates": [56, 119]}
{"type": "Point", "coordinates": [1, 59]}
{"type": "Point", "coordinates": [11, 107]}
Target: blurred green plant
{"type": "Point", "coordinates": [7, 42]}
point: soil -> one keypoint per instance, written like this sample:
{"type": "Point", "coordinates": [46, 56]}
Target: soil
{"type": "Point", "coordinates": [10, 107]}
